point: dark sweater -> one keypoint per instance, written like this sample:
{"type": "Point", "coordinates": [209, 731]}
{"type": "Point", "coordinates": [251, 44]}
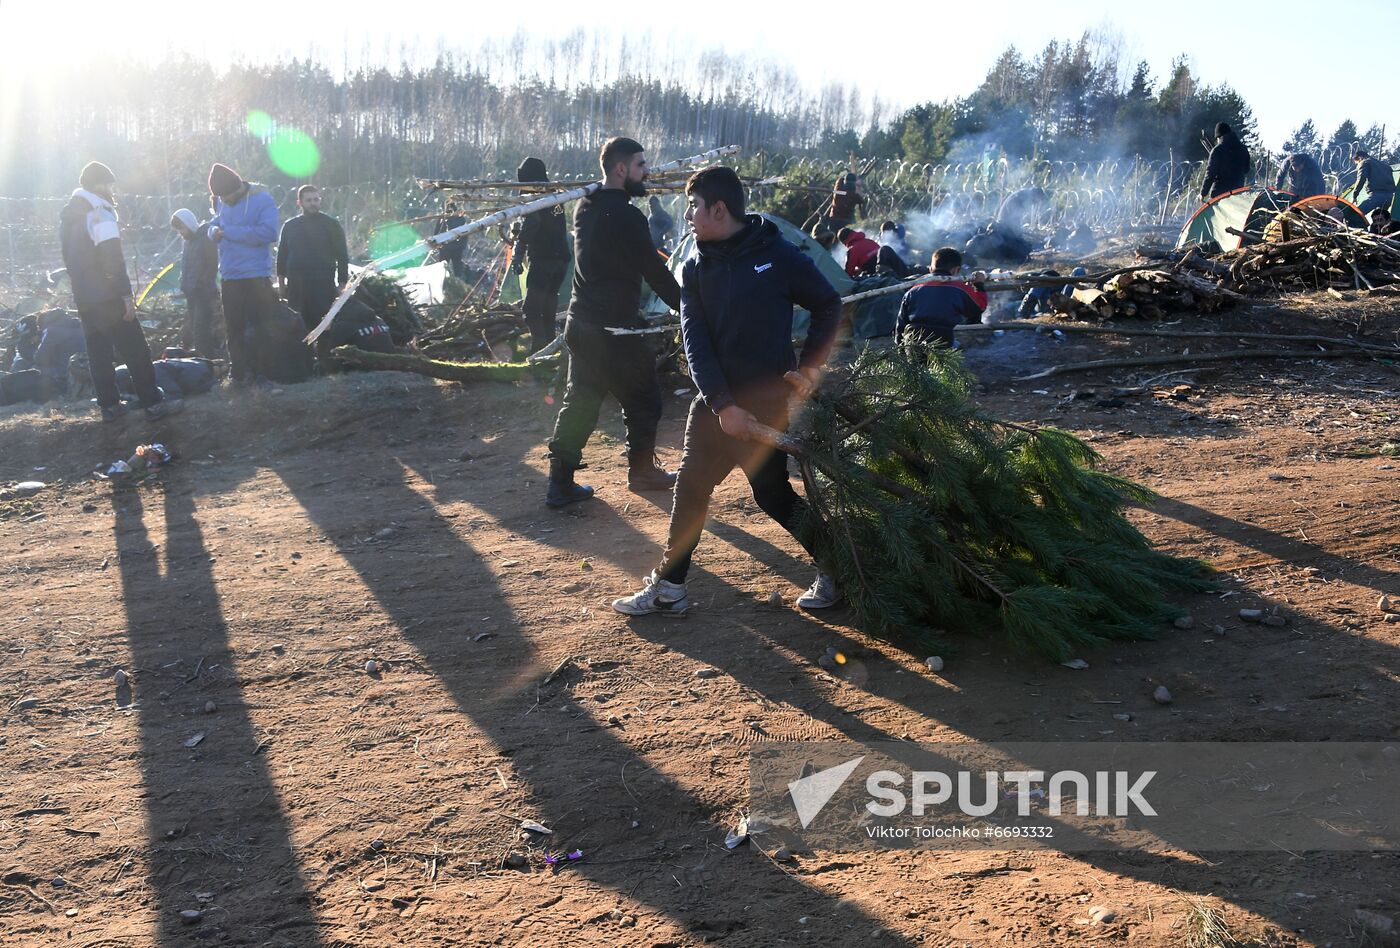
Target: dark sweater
{"type": "Point", "coordinates": [92, 252]}
{"type": "Point", "coordinates": [931, 310]}
{"type": "Point", "coordinates": [1227, 167]}
{"type": "Point", "coordinates": [313, 247]}
{"type": "Point", "coordinates": [1304, 181]}
{"type": "Point", "coordinates": [737, 298]}
{"type": "Point", "coordinates": [544, 236]}
{"type": "Point", "coordinates": [612, 255]}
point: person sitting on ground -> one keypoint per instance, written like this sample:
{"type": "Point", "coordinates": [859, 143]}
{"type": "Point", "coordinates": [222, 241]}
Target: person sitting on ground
{"type": "Point", "coordinates": [24, 342]}
{"type": "Point", "coordinates": [62, 338]}
{"type": "Point", "coordinates": [1301, 176]}
{"type": "Point", "coordinates": [355, 325]}
{"type": "Point", "coordinates": [893, 252]}
{"type": "Point", "coordinates": [861, 252]}
{"type": "Point", "coordinates": [737, 297]}
{"type": "Point", "coordinates": [1228, 165]}
{"type": "Point", "coordinates": [199, 275]}
{"type": "Point", "coordinates": [931, 309]}
{"type": "Point", "coordinates": [177, 378]}
{"type": "Point", "coordinates": [1377, 180]}
{"type": "Point", "coordinates": [824, 237]}
{"type": "Point", "coordinates": [1381, 223]}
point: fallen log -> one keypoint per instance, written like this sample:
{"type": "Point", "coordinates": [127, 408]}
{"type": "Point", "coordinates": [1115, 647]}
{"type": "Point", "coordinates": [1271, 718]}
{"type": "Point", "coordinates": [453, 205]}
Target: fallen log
{"type": "Point", "coordinates": [1392, 351]}
{"type": "Point", "coordinates": [354, 358]}
{"type": "Point", "coordinates": [1229, 356]}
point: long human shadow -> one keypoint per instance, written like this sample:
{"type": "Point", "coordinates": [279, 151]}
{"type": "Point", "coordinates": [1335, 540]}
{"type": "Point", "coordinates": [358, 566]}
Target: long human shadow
{"type": "Point", "coordinates": [726, 641]}
{"type": "Point", "coordinates": [1271, 543]}
{"type": "Point", "coordinates": [212, 808]}
{"type": "Point", "coordinates": [595, 808]}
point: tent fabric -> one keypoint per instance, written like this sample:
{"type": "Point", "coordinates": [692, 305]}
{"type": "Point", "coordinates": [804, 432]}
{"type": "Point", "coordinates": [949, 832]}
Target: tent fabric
{"type": "Point", "coordinates": [1246, 209]}
{"type": "Point", "coordinates": [1342, 211]}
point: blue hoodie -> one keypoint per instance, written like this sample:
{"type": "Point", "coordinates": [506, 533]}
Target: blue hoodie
{"type": "Point", "coordinates": [250, 229]}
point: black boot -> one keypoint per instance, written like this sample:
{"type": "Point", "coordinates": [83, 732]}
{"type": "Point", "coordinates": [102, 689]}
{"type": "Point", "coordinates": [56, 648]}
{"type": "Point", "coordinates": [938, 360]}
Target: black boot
{"type": "Point", "coordinates": [562, 489]}
{"type": "Point", "coordinates": [644, 474]}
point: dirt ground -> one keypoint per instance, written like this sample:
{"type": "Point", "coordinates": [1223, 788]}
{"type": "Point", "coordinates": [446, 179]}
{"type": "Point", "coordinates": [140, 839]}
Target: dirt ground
{"type": "Point", "coordinates": [250, 769]}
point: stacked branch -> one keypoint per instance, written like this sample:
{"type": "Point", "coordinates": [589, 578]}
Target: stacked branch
{"type": "Point", "coordinates": [935, 516]}
{"type": "Point", "coordinates": [1146, 294]}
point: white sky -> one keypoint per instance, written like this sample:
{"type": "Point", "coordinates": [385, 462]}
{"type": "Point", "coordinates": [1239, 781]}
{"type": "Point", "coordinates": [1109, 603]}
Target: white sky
{"type": "Point", "coordinates": [1290, 59]}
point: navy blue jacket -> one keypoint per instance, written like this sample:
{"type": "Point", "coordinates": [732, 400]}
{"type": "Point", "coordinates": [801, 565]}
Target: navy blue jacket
{"type": "Point", "coordinates": [1227, 167]}
{"type": "Point", "coordinates": [737, 297]}
{"type": "Point", "coordinates": [92, 250]}
{"type": "Point", "coordinates": [932, 309]}
{"type": "Point", "coordinates": [1305, 181]}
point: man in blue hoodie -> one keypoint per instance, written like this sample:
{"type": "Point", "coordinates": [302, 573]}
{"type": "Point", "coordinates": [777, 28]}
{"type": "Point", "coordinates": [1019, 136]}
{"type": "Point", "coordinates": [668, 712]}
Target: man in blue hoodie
{"type": "Point", "coordinates": [92, 251]}
{"type": "Point", "coordinates": [737, 296]}
{"type": "Point", "coordinates": [245, 227]}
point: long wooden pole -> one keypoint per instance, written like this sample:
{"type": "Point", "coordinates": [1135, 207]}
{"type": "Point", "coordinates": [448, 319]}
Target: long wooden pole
{"type": "Point", "coordinates": [492, 220]}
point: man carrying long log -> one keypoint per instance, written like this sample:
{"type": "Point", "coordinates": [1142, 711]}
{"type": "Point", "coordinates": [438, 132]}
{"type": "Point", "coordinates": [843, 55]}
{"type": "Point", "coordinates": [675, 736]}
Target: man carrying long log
{"type": "Point", "coordinates": [737, 298]}
{"type": "Point", "coordinates": [612, 255]}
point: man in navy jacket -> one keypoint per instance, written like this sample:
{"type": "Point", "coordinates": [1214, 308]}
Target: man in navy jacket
{"type": "Point", "coordinates": [931, 310]}
{"type": "Point", "coordinates": [737, 298]}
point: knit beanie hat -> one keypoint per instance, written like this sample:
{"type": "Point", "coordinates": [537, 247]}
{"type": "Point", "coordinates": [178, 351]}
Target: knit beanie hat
{"type": "Point", "coordinates": [223, 180]}
{"type": "Point", "coordinates": [94, 175]}
{"type": "Point", "coordinates": [185, 216]}
{"type": "Point", "coordinates": [531, 169]}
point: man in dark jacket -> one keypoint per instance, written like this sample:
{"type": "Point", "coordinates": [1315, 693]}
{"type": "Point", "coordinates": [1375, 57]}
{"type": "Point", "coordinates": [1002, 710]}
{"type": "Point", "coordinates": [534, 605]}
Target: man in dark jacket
{"type": "Point", "coordinates": [930, 310]}
{"type": "Point", "coordinates": [199, 274]}
{"type": "Point", "coordinates": [543, 246]}
{"type": "Point", "coordinates": [313, 264]}
{"type": "Point", "coordinates": [737, 296]}
{"type": "Point", "coordinates": [1301, 176]}
{"type": "Point", "coordinates": [1375, 179]}
{"type": "Point", "coordinates": [893, 252]}
{"type": "Point", "coordinates": [1228, 165]}
{"type": "Point", "coordinates": [612, 255]}
{"type": "Point", "coordinates": [92, 252]}
{"type": "Point", "coordinates": [451, 252]}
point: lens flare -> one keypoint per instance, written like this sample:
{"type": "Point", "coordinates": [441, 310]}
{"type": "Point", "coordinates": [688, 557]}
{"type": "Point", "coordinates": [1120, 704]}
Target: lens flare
{"type": "Point", "coordinates": [260, 124]}
{"type": "Point", "coordinates": [389, 240]}
{"type": "Point", "coordinates": [294, 153]}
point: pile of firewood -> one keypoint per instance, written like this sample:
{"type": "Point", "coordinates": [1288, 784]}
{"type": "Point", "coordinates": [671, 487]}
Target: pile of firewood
{"type": "Point", "coordinates": [1146, 294]}
{"type": "Point", "coordinates": [1314, 257]}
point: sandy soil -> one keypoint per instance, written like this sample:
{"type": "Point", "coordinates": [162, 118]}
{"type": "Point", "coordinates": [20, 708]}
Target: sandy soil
{"type": "Point", "coordinates": [298, 536]}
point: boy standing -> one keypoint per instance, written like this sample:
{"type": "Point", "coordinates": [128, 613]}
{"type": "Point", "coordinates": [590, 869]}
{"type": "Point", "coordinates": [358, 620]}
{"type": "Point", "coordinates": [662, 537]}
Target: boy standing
{"type": "Point", "coordinates": [737, 297]}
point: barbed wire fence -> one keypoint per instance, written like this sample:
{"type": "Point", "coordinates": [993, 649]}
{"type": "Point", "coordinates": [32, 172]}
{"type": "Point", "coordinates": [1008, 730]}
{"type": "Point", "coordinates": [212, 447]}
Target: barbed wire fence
{"type": "Point", "coordinates": [1111, 195]}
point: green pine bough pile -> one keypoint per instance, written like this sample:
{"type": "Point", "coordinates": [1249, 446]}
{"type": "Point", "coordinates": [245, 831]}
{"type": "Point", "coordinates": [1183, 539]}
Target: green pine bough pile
{"type": "Point", "coordinates": [935, 516]}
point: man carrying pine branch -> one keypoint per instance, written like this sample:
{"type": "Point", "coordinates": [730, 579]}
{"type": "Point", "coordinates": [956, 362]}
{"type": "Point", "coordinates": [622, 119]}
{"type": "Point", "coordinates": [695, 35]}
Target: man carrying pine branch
{"type": "Point", "coordinates": [737, 298]}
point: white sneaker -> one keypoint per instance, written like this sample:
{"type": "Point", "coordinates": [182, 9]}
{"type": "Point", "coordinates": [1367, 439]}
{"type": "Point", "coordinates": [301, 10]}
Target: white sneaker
{"type": "Point", "coordinates": [822, 594]}
{"type": "Point", "coordinates": [656, 595]}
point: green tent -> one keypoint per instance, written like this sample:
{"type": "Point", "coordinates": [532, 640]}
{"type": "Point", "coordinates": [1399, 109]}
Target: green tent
{"type": "Point", "coordinates": [1248, 210]}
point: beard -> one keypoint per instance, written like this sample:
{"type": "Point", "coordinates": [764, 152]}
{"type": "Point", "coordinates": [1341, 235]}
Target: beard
{"type": "Point", "coordinates": [635, 189]}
